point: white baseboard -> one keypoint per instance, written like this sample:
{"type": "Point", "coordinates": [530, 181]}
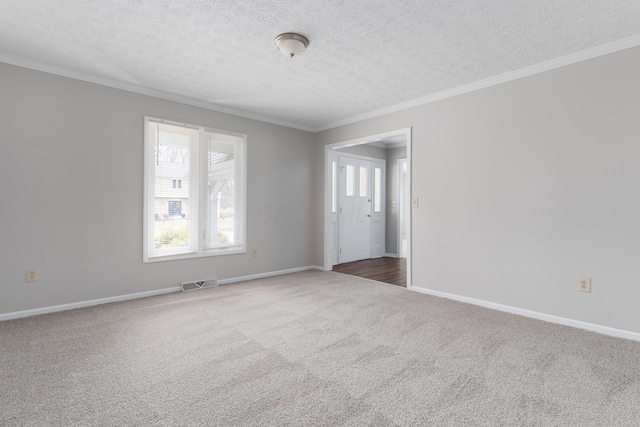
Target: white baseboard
{"type": "Point", "coordinates": [269, 274]}
{"type": "Point", "coordinates": [605, 330]}
{"type": "Point", "coordinates": [71, 306]}
{"type": "Point", "coordinates": [391, 255]}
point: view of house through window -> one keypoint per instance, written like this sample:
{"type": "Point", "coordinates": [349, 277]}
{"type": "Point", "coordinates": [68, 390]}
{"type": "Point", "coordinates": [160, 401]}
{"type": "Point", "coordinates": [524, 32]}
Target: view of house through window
{"type": "Point", "coordinates": [194, 185]}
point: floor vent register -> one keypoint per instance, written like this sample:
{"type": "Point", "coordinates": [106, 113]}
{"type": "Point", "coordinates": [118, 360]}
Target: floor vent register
{"type": "Point", "coordinates": [198, 284]}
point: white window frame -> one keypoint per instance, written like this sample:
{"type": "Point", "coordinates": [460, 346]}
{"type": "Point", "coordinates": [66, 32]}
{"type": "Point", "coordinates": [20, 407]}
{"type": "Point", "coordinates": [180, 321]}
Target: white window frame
{"type": "Point", "coordinates": [197, 194]}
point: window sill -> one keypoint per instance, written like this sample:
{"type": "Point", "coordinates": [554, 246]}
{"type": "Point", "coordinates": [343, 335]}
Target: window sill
{"type": "Point", "coordinates": [192, 255]}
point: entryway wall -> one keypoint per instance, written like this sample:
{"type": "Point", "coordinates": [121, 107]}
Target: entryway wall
{"type": "Point", "coordinates": [394, 139]}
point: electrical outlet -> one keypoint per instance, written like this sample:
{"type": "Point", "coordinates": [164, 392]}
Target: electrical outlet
{"type": "Point", "coordinates": [32, 275]}
{"type": "Point", "coordinates": [584, 284]}
{"type": "Point", "coordinates": [255, 252]}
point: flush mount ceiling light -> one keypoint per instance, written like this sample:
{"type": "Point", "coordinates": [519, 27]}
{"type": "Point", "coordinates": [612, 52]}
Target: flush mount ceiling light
{"type": "Point", "coordinates": [291, 44]}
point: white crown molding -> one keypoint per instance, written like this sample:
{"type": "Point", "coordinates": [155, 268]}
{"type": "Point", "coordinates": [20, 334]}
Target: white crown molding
{"type": "Point", "coordinates": [605, 330]}
{"type": "Point", "coordinates": [142, 90]}
{"type": "Point", "coordinates": [563, 61]}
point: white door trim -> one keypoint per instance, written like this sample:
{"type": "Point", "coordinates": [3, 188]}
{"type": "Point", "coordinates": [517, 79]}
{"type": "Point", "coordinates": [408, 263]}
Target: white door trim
{"type": "Point", "coordinates": [328, 237]}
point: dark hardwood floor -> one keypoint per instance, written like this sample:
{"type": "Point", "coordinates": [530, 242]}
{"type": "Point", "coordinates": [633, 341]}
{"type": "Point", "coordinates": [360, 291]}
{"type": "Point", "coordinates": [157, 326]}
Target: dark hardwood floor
{"type": "Point", "coordinates": [385, 269]}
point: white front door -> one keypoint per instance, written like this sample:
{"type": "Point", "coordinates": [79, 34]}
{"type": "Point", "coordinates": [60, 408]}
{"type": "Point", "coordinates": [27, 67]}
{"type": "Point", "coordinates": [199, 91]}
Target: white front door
{"type": "Point", "coordinates": [355, 209]}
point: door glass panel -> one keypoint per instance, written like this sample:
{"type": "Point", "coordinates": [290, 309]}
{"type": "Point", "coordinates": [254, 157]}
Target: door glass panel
{"type": "Point", "coordinates": [377, 190]}
{"type": "Point", "coordinates": [333, 186]}
{"type": "Point", "coordinates": [364, 172]}
{"type": "Point", "coordinates": [350, 181]}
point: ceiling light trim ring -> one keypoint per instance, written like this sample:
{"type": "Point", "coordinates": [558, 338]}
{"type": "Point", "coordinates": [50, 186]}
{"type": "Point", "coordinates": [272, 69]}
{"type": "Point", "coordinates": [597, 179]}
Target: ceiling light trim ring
{"type": "Point", "coordinates": [291, 44]}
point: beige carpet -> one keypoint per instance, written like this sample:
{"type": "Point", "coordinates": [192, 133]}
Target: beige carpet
{"type": "Point", "coordinates": [312, 348]}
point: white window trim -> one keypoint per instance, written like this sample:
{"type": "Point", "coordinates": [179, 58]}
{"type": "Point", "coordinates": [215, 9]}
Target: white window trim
{"type": "Point", "coordinates": [199, 251]}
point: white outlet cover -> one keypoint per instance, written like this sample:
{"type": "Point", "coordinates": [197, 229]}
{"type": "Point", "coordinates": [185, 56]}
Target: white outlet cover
{"type": "Point", "coordinates": [32, 275]}
{"type": "Point", "coordinates": [584, 284]}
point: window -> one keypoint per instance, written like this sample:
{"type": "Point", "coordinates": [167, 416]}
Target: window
{"type": "Point", "coordinates": [194, 191]}
{"type": "Point", "coordinates": [175, 208]}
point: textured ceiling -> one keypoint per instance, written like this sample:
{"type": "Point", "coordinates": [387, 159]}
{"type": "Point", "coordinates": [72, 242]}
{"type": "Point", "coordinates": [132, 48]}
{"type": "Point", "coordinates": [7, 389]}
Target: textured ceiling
{"type": "Point", "coordinates": [363, 56]}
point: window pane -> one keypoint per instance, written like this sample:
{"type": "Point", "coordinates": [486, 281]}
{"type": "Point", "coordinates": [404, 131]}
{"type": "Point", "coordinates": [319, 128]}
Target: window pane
{"type": "Point", "coordinates": [364, 191]}
{"type": "Point", "coordinates": [377, 190]}
{"type": "Point", "coordinates": [350, 181]}
{"type": "Point", "coordinates": [221, 196]}
{"type": "Point", "coordinates": [172, 150]}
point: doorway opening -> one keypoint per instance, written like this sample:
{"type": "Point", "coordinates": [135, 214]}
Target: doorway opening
{"type": "Point", "coordinates": [367, 194]}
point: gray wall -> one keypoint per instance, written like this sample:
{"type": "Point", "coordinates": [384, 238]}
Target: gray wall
{"type": "Point", "coordinates": [527, 185]}
{"type": "Point", "coordinates": [71, 188]}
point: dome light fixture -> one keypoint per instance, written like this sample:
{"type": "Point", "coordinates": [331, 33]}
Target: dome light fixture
{"type": "Point", "coordinates": [291, 44]}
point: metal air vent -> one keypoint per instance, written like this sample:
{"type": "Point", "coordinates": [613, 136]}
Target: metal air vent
{"type": "Point", "coordinates": [198, 284]}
